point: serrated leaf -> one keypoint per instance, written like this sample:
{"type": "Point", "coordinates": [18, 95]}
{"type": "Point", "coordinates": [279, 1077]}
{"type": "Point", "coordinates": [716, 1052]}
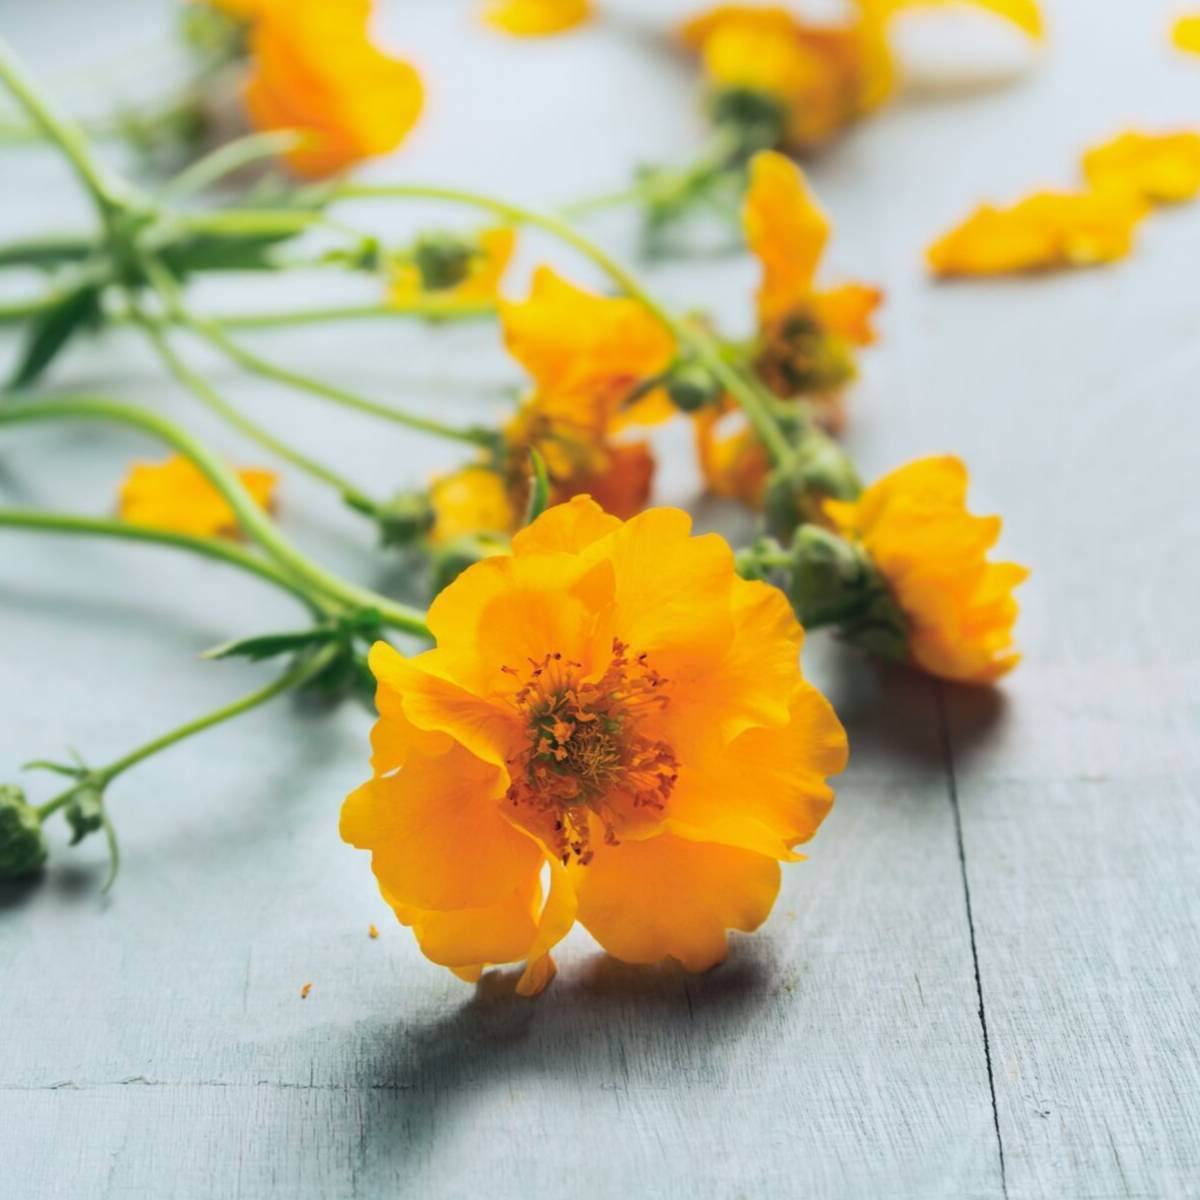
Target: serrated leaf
{"type": "Point", "coordinates": [271, 645]}
{"type": "Point", "coordinates": [52, 330]}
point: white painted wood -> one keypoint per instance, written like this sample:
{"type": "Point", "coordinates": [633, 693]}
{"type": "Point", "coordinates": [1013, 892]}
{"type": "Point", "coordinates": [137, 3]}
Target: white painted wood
{"type": "Point", "coordinates": [155, 1043]}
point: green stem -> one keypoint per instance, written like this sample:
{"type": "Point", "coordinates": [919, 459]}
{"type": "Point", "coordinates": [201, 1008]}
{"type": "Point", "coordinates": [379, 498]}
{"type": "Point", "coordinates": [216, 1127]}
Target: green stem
{"type": "Point", "coordinates": [429, 310]}
{"type": "Point", "coordinates": [298, 675]}
{"type": "Point", "coordinates": [106, 194]}
{"type": "Point", "coordinates": [254, 522]}
{"type": "Point", "coordinates": [700, 343]}
{"type": "Point", "coordinates": [295, 677]}
{"type": "Point", "coordinates": [215, 336]}
{"type": "Point", "coordinates": [208, 395]}
{"type": "Point", "coordinates": [11, 314]}
{"type": "Point", "coordinates": [215, 548]}
{"type": "Point", "coordinates": [227, 159]}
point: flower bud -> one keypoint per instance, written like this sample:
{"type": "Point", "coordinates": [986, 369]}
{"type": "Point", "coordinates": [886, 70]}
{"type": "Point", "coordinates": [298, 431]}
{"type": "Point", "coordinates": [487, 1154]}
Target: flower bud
{"type": "Point", "coordinates": [834, 582]}
{"type": "Point", "coordinates": [794, 493]}
{"type": "Point", "coordinates": [405, 518]}
{"type": "Point", "coordinates": [22, 843]}
{"type": "Point", "coordinates": [443, 260]}
{"type": "Point", "coordinates": [754, 119]}
{"type": "Point", "coordinates": [692, 387]}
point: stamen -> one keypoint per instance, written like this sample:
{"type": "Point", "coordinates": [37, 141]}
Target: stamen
{"type": "Point", "coordinates": [585, 756]}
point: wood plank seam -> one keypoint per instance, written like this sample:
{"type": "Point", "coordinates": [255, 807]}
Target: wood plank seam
{"type": "Point", "coordinates": [939, 693]}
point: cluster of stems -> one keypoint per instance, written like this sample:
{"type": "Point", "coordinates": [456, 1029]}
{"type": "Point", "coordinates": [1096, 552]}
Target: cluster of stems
{"type": "Point", "coordinates": [130, 258]}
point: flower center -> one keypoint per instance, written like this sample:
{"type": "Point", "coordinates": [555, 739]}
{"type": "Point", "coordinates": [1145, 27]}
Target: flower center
{"type": "Point", "coordinates": [585, 756]}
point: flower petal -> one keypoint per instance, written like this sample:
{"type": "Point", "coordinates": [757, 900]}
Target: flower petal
{"type": "Point", "coordinates": [643, 901]}
{"type": "Point", "coordinates": [437, 834]}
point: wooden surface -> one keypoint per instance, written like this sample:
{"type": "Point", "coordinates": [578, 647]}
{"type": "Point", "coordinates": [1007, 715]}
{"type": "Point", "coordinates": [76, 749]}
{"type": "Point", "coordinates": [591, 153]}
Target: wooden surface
{"type": "Point", "coordinates": [986, 980]}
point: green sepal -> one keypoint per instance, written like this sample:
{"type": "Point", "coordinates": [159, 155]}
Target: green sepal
{"type": "Point", "coordinates": [539, 492]}
{"type": "Point", "coordinates": [84, 812]}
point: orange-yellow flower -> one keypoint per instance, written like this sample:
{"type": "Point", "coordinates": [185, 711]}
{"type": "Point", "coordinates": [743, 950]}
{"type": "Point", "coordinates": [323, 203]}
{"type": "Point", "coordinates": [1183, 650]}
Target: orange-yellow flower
{"type": "Point", "coordinates": [474, 499]}
{"type": "Point", "coordinates": [1157, 167]}
{"type": "Point", "coordinates": [806, 336]}
{"type": "Point", "coordinates": [932, 553]}
{"type": "Point", "coordinates": [481, 281]}
{"type": "Point", "coordinates": [1185, 33]}
{"type": "Point", "coordinates": [610, 704]}
{"type": "Point", "coordinates": [536, 18]}
{"type": "Point", "coordinates": [315, 69]}
{"type": "Point", "coordinates": [174, 495]}
{"type": "Point", "coordinates": [1046, 230]}
{"type": "Point", "coordinates": [822, 76]}
{"type": "Point", "coordinates": [576, 343]}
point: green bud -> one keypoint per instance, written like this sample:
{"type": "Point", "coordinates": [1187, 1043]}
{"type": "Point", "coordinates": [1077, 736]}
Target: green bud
{"type": "Point", "coordinates": [443, 260]}
{"type": "Point", "coordinates": [833, 582]}
{"type": "Point", "coordinates": [692, 387]}
{"type": "Point", "coordinates": [405, 518]}
{"type": "Point", "coordinates": [795, 493]}
{"type": "Point", "coordinates": [22, 843]}
{"type": "Point", "coordinates": [449, 561]}
{"type": "Point", "coordinates": [755, 119]}
{"type": "Point", "coordinates": [85, 812]}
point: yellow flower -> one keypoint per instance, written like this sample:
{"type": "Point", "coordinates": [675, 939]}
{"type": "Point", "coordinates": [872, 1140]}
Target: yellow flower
{"type": "Point", "coordinates": [174, 495]}
{"type": "Point", "coordinates": [573, 433]}
{"type": "Point", "coordinates": [1157, 167]}
{"type": "Point", "coordinates": [613, 705]}
{"type": "Point", "coordinates": [1185, 33]}
{"type": "Point", "coordinates": [314, 68]}
{"type": "Point", "coordinates": [787, 232]}
{"type": "Point", "coordinates": [822, 76]}
{"type": "Point", "coordinates": [1048, 229]}
{"type": "Point", "coordinates": [536, 18]}
{"type": "Point", "coordinates": [932, 553]}
{"type": "Point", "coordinates": [484, 271]}
{"type": "Point", "coordinates": [473, 499]}
{"type": "Point", "coordinates": [806, 337]}
{"type": "Point", "coordinates": [575, 343]}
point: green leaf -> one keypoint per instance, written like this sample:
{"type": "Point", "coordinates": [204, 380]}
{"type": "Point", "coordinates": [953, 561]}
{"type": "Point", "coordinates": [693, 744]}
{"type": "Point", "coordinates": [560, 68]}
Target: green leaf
{"type": "Point", "coordinates": [52, 330]}
{"type": "Point", "coordinates": [222, 252]}
{"type": "Point", "coordinates": [271, 645]}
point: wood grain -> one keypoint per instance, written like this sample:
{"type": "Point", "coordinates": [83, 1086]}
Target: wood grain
{"type": "Point", "coordinates": [984, 982]}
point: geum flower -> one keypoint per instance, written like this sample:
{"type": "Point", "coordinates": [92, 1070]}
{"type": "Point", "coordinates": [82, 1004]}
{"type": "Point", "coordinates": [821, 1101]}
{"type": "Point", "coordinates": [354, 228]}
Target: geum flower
{"type": "Point", "coordinates": [536, 18]}
{"type": "Point", "coordinates": [1044, 231]}
{"type": "Point", "coordinates": [958, 607]}
{"type": "Point", "coordinates": [1161, 168]}
{"type": "Point", "coordinates": [610, 704]}
{"type": "Point", "coordinates": [315, 69]}
{"type": "Point", "coordinates": [588, 356]}
{"type": "Point", "coordinates": [174, 495]}
{"type": "Point", "coordinates": [768, 68]}
{"type": "Point", "coordinates": [806, 336]}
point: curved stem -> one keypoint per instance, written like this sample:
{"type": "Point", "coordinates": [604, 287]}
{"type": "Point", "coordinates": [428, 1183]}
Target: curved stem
{"type": "Point", "coordinates": [226, 159]}
{"type": "Point", "coordinates": [254, 522]}
{"type": "Point", "coordinates": [215, 548]}
{"type": "Point", "coordinates": [292, 678]}
{"type": "Point", "coordinates": [58, 129]}
{"type": "Point", "coordinates": [206, 393]}
{"type": "Point", "coordinates": [428, 310]}
{"type": "Point", "coordinates": [215, 336]}
{"type": "Point", "coordinates": [700, 343]}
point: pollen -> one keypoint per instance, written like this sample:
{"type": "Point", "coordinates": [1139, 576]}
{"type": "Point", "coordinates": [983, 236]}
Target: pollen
{"type": "Point", "coordinates": [588, 766]}
{"type": "Point", "coordinates": [305, 990]}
